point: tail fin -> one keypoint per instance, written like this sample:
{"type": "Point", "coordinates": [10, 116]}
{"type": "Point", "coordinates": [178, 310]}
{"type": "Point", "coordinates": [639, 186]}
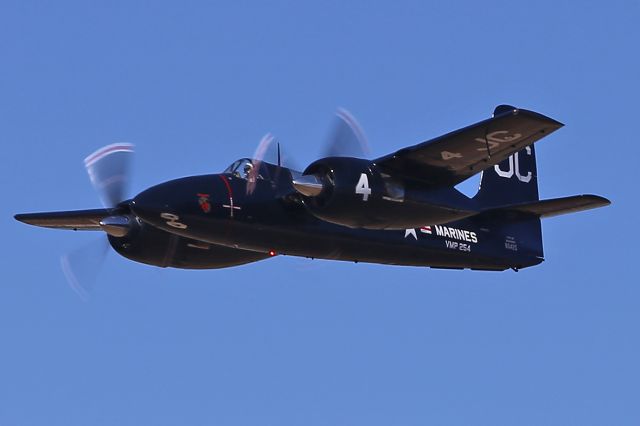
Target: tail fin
{"type": "Point", "coordinates": [513, 181]}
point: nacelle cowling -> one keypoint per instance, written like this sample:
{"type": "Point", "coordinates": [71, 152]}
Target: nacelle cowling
{"type": "Point", "coordinates": [355, 193]}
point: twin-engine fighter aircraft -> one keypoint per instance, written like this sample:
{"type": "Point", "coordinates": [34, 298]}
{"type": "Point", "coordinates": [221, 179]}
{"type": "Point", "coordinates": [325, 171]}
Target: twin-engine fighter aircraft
{"type": "Point", "coordinates": [400, 209]}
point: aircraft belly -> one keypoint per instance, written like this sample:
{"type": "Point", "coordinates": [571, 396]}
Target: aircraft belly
{"type": "Point", "coordinates": [458, 248]}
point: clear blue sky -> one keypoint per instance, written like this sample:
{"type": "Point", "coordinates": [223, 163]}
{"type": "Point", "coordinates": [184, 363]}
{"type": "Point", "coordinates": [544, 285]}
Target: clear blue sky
{"type": "Point", "coordinates": [297, 342]}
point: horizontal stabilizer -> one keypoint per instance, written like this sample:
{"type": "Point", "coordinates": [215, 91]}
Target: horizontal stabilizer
{"type": "Point", "coordinates": [558, 206]}
{"type": "Point", "coordinates": [76, 220]}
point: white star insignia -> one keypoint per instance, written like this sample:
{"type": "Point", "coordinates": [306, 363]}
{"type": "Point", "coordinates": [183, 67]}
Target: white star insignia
{"type": "Point", "coordinates": [408, 232]}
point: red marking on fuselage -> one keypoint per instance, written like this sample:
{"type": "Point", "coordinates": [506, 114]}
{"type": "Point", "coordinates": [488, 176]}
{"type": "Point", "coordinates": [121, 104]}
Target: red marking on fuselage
{"type": "Point", "coordinates": [229, 206]}
{"type": "Point", "coordinates": [226, 183]}
{"type": "Point", "coordinates": [203, 201]}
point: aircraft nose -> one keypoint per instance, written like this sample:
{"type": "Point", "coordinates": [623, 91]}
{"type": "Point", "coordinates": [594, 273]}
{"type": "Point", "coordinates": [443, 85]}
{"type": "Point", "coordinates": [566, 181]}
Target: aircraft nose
{"type": "Point", "coordinates": [174, 201]}
{"type": "Point", "coordinates": [153, 202]}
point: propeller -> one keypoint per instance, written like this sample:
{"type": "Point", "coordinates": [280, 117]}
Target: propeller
{"type": "Point", "coordinates": [108, 170]}
{"type": "Point", "coordinates": [347, 139]}
{"type": "Point", "coordinates": [265, 146]}
{"type": "Point", "coordinates": [81, 266]}
{"type": "Point", "coordinates": [268, 150]}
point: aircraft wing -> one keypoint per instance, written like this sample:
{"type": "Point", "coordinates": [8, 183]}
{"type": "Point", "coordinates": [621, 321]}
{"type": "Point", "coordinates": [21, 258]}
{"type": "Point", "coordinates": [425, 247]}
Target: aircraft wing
{"type": "Point", "coordinates": [76, 220]}
{"type": "Point", "coordinates": [456, 156]}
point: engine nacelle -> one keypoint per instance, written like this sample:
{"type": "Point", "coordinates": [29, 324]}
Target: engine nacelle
{"type": "Point", "coordinates": [353, 192]}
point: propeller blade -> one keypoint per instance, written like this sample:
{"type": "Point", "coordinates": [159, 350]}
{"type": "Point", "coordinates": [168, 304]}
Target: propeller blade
{"type": "Point", "coordinates": [108, 169]}
{"type": "Point", "coordinates": [268, 150]}
{"type": "Point", "coordinates": [347, 137]}
{"type": "Point", "coordinates": [258, 158]}
{"type": "Point", "coordinates": [81, 266]}
{"type": "Point", "coordinates": [263, 147]}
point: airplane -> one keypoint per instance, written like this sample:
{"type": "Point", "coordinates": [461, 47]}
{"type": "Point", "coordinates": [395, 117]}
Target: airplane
{"type": "Point", "coordinates": [399, 209]}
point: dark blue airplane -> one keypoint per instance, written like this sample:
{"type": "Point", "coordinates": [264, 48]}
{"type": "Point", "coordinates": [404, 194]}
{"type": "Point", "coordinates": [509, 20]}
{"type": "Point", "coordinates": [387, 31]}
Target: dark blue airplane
{"type": "Point", "coordinates": [400, 209]}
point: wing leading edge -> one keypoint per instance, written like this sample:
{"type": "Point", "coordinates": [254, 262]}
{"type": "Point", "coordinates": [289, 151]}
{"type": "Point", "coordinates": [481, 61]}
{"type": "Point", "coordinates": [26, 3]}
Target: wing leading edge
{"type": "Point", "coordinates": [456, 156]}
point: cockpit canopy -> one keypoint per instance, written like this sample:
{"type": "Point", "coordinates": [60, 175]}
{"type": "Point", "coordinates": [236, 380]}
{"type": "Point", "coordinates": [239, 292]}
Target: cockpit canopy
{"type": "Point", "coordinates": [246, 168]}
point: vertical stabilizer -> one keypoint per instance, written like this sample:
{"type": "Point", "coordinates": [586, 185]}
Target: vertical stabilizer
{"type": "Point", "coordinates": [513, 181]}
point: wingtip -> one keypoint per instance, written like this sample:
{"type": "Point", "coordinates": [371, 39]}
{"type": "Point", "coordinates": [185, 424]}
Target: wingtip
{"type": "Point", "coordinates": [603, 201]}
{"type": "Point", "coordinates": [20, 217]}
{"type": "Point", "coordinates": [27, 218]}
{"type": "Point", "coordinates": [596, 201]}
{"type": "Point", "coordinates": [555, 124]}
{"type": "Point", "coordinates": [505, 109]}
